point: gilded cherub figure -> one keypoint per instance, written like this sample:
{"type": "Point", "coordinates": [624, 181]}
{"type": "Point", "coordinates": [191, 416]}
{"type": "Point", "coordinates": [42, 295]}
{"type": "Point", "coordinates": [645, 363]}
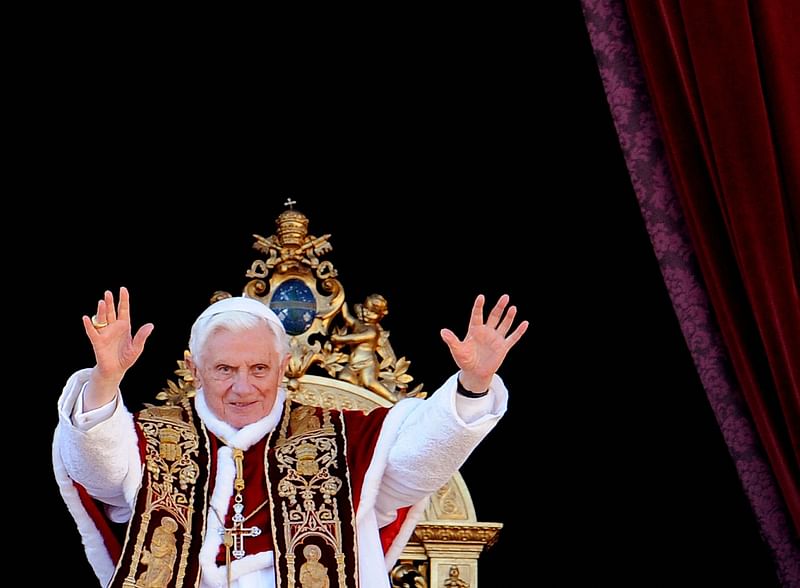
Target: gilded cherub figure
{"type": "Point", "coordinates": [367, 340]}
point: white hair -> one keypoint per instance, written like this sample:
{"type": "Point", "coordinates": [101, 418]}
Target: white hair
{"type": "Point", "coordinates": [234, 321]}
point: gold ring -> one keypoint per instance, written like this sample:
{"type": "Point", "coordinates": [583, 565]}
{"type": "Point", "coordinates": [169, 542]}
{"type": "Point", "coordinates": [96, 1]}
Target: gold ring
{"type": "Point", "coordinates": [98, 324]}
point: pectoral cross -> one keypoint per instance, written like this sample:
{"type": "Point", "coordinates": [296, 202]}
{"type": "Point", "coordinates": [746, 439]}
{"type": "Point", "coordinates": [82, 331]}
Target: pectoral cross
{"type": "Point", "coordinates": [235, 537]}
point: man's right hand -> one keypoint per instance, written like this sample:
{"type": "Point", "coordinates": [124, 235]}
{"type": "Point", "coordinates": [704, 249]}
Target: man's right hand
{"type": "Point", "coordinates": [115, 350]}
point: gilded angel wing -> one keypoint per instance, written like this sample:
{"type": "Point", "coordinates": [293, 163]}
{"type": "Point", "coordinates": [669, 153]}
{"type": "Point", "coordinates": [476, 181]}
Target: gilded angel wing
{"type": "Point", "coordinates": [385, 350]}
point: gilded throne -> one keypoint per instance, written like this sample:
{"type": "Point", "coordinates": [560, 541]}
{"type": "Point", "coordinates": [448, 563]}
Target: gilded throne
{"type": "Point", "coordinates": [341, 358]}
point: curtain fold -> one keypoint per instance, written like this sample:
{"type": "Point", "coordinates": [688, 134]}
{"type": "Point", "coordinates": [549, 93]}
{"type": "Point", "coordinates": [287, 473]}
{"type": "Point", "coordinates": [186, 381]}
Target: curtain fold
{"type": "Point", "coordinates": [717, 108]}
{"type": "Point", "coordinates": [717, 82]}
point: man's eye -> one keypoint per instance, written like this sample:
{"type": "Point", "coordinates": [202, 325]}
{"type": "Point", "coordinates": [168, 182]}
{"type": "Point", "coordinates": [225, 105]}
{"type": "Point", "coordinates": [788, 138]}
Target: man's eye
{"type": "Point", "coordinates": [224, 369]}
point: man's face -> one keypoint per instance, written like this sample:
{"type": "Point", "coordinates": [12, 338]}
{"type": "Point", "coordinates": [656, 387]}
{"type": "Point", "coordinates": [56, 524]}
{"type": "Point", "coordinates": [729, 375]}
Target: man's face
{"type": "Point", "coordinates": [240, 374]}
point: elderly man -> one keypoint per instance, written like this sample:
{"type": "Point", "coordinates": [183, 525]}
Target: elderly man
{"type": "Point", "coordinates": [205, 499]}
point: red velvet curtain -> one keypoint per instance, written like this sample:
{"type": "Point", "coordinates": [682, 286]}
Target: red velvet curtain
{"type": "Point", "coordinates": [724, 79]}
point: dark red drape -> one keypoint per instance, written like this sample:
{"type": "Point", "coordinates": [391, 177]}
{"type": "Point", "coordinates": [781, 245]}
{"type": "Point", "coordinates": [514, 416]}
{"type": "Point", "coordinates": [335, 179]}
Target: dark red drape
{"type": "Point", "coordinates": [724, 80]}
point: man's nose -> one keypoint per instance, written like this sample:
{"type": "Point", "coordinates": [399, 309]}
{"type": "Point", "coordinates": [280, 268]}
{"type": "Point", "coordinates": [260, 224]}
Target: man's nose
{"type": "Point", "coordinates": [241, 381]}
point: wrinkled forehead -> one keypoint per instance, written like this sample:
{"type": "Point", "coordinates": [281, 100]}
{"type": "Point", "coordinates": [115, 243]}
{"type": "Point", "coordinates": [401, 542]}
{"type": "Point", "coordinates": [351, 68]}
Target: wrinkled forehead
{"type": "Point", "coordinates": [256, 340]}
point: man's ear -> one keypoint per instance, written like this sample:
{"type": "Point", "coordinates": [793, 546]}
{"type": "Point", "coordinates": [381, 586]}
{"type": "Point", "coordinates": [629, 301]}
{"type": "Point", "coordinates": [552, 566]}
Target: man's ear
{"type": "Point", "coordinates": [192, 367]}
{"type": "Point", "coordinates": [285, 363]}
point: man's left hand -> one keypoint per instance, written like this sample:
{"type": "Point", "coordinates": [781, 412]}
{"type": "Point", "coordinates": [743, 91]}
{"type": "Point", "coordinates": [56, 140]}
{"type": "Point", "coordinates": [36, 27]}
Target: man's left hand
{"type": "Point", "coordinates": [486, 344]}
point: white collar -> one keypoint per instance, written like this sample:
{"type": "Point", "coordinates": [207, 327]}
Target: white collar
{"type": "Point", "coordinates": [248, 435]}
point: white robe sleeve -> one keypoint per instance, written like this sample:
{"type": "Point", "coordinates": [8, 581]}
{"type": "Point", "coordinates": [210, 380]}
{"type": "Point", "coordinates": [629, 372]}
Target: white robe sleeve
{"type": "Point", "coordinates": [422, 443]}
{"type": "Point", "coordinates": [99, 453]}
{"type": "Point", "coordinates": [433, 441]}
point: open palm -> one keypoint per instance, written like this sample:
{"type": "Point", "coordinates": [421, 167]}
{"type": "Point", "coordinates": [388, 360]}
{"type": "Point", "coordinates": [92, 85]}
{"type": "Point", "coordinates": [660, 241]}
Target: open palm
{"type": "Point", "coordinates": [486, 344]}
{"type": "Point", "coordinates": [115, 350]}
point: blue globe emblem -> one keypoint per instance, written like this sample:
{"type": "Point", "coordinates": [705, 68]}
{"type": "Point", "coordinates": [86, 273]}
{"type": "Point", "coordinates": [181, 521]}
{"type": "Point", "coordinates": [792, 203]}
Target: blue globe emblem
{"type": "Point", "coordinates": [295, 305]}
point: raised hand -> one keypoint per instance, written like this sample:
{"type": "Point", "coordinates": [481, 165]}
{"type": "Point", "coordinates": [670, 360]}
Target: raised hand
{"type": "Point", "coordinates": [115, 350]}
{"type": "Point", "coordinates": [486, 344]}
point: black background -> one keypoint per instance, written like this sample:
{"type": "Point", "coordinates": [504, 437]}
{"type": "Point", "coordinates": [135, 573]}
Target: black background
{"type": "Point", "coordinates": [482, 162]}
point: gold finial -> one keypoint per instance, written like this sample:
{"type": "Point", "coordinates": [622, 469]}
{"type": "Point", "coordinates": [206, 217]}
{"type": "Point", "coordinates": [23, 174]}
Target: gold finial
{"type": "Point", "coordinates": [289, 202]}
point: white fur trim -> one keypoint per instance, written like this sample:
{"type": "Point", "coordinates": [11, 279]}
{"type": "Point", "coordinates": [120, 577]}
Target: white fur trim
{"type": "Point", "coordinates": [259, 562]}
{"type": "Point", "coordinates": [220, 499]}
{"type": "Point", "coordinates": [133, 481]}
{"type": "Point", "coordinates": [93, 544]}
{"type": "Point", "coordinates": [380, 455]}
{"type": "Point", "coordinates": [365, 518]}
{"type": "Point", "coordinates": [415, 514]}
{"type": "Point", "coordinates": [247, 436]}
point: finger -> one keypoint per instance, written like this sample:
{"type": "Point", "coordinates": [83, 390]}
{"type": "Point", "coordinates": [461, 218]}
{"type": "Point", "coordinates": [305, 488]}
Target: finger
{"type": "Point", "coordinates": [476, 318]}
{"type": "Point", "coordinates": [111, 312]}
{"type": "Point", "coordinates": [507, 321]}
{"type": "Point", "coordinates": [449, 337]}
{"type": "Point", "coordinates": [100, 315]}
{"type": "Point", "coordinates": [91, 332]}
{"type": "Point", "coordinates": [124, 305]}
{"type": "Point", "coordinates": [497, 311]}
{"type": "Point", "coordinates": [141, 336]}
{"type": "Point", "coordinates": [515, 336]}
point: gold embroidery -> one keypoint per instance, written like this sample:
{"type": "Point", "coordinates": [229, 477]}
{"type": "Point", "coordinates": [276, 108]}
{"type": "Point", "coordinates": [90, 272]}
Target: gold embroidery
{"type": "Point", "coordinates": [310, 505]}
{"type": "Point", "coordinates": [171, 450]}
{"type": "Point", "coordinates": [307, 460]}
{"type": "Point", "coordinates": [168, 447]}
{"type": "Point", "coordinates": [312, 573]}
{"type": "Point", "coordinates": [160, 558]}
{"type": "Point", "coordinates": [304, 419]}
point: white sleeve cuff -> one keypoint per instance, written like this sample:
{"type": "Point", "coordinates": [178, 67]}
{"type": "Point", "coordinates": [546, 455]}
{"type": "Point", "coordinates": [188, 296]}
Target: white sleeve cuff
{"type": "Point", "coordinates": [475, 411]}
{"type": "Point", "coordinates": [83, 421]}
